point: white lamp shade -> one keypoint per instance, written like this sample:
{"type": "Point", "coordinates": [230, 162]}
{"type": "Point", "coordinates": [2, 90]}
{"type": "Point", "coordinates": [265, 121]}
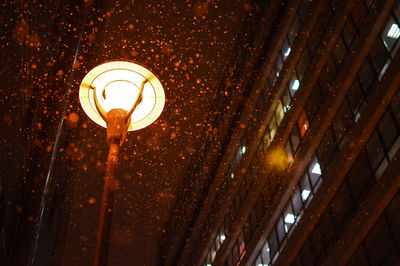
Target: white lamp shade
{"type": "Point", "coordinates": [117, 85]}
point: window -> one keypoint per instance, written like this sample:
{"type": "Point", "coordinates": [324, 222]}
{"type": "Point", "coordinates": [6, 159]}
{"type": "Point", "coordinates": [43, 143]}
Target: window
{"type": "Point", "coordinates": [303, 124]}
{"type": "Point", "coordinates": [339, 51]}
{"type": "Point", "coordinates": [265, 254]}
{"type": "Point", "coordinates": [279, 113]}
{"type": "Point", "coordinates": [294, 30]}
{"type": "Point", "coordinates": [349, 32]}
{"type": "Point", "coordinates": [272, 128]}
{"type": "Point", "coordinates": [379, 55]}
{"type": "Point", "coordinates": [305, 188]}
{"type": "Point", "coordinates": [295, 139]}
{"type": "Point", "coordinates": [391, 34]}
{"type": "Point", "coordinates": [303, 63]}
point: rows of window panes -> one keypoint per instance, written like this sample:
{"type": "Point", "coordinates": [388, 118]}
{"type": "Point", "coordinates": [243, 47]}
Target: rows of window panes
{"type": "Point", "coordinates": [370, 164]}
{"type": "Point", "coordinates": [284, 53]}
{"type": "Point", "coordinates": [215, 246]}
{"type": "Point", "coordinates": [283, 106]}
{"type": "Point", "coordinates": [238, 251]}
{"type": "Point", "coordinates": [294, 84]}
{"type": "Point", "coordinates": [311, 183]}
{"type": "Point", "coordinates": [380, 246]}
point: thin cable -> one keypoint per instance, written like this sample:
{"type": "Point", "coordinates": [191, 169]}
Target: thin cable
{"type": "Point", "coordinates": [55, 146]}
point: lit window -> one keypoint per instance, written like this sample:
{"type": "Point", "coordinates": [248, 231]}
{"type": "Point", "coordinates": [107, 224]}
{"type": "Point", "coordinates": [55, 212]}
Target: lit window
{"type": "Point", "coordinates": [286, 108]}
{"type": "Point", "coordinates": [279, 113]}
{"type": "Point", "coordinates": [243, 149]}
{"type": "Point", "coordinates": [208, 264]}
{"type": "Point", "coordinates": [357, 116]}
{"type": "Point", "coordinates": [304, 194]}
{"type": "Point", "coordinates": [222, 237]}
{"type": "Point", "coordinates": [287, 53]}
{"type": "Point", "coordinates": [316, 169]}
{"type": "Point", "coordinates": [296, 85]}
{"type": "Point", "coordinates": [394, 31]}
{"type": "Point", "coordinates": [290, 218]}
{"type": "Point", "coordinates": [260, 264]}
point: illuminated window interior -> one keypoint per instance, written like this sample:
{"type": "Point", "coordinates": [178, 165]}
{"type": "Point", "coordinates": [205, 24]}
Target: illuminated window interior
{"type": "Point", "coordinates": [394, 31]}
{"type": "Point", "coordinates": [222, 237]}
{"type": "Point", "coordinates": [296, 85]}
{"type": "Point", "coordinates": [316, 169]}
{"type": "Point", "coordinates": [305, 193]}
{"type": "Point", "coordinates": [290, 218]}
{"type": "Point", "coordinates": [287, 53]}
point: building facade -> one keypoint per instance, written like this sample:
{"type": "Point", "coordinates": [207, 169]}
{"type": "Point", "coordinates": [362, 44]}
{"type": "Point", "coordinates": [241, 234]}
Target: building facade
{"type": "Point", "coordinates": [302, 166]}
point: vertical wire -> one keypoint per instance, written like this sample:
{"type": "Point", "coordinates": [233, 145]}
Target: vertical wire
{"type": "Point", "coordinates": [55, 146]}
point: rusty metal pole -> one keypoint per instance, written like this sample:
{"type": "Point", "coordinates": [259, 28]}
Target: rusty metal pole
{"type": "Point", "coordinates": [104, 229]}
{"type": "Point", "coordinates": [116, 131]}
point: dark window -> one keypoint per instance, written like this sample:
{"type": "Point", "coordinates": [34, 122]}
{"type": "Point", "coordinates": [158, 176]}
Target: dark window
{"type": "Point", "coordinates": [349, 32]}
{"type": "Point", "coordinates": [393, 214]}
{"type": "Point", "coordinates": [315, 37]}
{"type": "Point", "coordinates": [359, 14]}
{"type": "Point", "coordinates": [325, 17]}
{"type": "Point", "coordinates": [378, 55]}
{"type": "Point", "coordinates": [302, 11]}
{"type": "Point", "coordinates": [307, 254]}
{"type": "Point", "coordinates": [328, 228]}
{"type": "Point", "coordinates": [326, 148]}
{"type": "Point", "coordinates": [359, 257]}
{"type": "Point", "coordinates": [355, 96]}
{"type": "Point", "coordinates": [339, 51]}
{"type": "Point", "coordinates": [360, 178]}
{"type": "Point", "coordinates": [379, 241]}
{"type": "Point", "coordinates": [303, 63]}
{"type": "Point", "coordinates": [375, 150]}
{"type": "Point", "coordinates": [273, 244]}
{"type": "Point", "coordinates": [294, 30]}
{"type": "Point", "coordinates": [367, 76]}
{"type": "Point", "coordinates": [340, 205]}
{"type": "Point", "coordinates": [295, 139]}
{"type": "Point", "coordinates": [317, 245]}
{"type": "Point", "coordinates": [342, 121]}
{"type": "Point", "coordinates": [388, 130]}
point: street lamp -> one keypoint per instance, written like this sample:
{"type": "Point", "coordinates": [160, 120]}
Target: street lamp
{"type": "Point", "coordinates": [121, 96]}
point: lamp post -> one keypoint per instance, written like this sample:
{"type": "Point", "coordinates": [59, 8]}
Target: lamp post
{"type": "Point", "coordinates": [121, 96]}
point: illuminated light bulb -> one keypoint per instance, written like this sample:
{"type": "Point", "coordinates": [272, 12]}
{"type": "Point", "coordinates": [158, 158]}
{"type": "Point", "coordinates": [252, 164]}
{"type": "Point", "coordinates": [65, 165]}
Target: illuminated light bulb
{"type": "Point", "coordinates": [120, 95]}
{"type": "Point", "coordinates": [223, 237]}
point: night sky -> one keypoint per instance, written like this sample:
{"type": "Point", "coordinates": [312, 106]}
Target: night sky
{"type": "Point", "coordinates": [188, 45]}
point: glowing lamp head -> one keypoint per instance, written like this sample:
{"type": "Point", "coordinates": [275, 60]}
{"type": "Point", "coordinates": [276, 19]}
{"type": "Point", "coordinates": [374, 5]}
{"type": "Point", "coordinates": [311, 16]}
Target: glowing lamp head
{"type": "Point", "coordinates": [119, 95]}
{"type": "Point", "coordinates": [117, 85]}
